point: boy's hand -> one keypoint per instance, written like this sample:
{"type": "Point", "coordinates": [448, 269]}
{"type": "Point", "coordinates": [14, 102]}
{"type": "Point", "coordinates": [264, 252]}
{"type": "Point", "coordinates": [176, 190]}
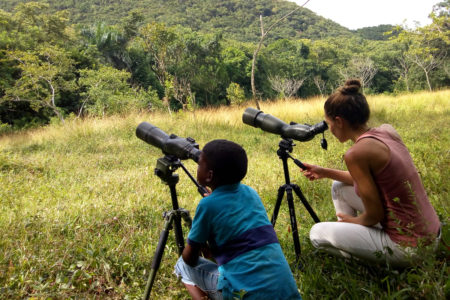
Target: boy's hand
{"type": "Point", "coordinates": [204, 191]}
{"type": "Point", "coordinates": [206, 251]}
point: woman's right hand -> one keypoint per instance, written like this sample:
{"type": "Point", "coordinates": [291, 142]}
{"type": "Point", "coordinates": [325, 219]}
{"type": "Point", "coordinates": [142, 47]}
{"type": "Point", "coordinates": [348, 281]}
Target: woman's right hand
{"type": "Point", "coordinates": [312, 172]}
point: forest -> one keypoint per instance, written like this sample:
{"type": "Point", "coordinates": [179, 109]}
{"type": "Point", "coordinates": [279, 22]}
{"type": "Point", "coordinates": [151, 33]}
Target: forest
{"type": "Point", "coordinates": [70, 59]}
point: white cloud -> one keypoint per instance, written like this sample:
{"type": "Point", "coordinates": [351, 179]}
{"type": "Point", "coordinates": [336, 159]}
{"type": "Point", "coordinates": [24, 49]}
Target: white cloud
{"type": "Point", "coordinates": [355, 14]}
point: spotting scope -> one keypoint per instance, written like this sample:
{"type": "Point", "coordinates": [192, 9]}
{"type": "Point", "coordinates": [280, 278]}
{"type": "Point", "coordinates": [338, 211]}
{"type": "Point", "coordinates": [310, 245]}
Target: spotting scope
{"type": "Point", "coordinates": [182, 148]}
{"type": "Point", "coordinates": [269, 123]}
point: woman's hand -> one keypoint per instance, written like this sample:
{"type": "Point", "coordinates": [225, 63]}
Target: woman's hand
{"type": "Point", "coordinates": [313, 172]}
{"type": "Point", "coordinates": [346, 218]}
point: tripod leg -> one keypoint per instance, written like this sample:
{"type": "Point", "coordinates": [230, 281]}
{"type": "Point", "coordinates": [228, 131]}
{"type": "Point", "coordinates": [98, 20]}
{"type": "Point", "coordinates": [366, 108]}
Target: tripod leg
{"type": "Point", "coordinates": [290, 199]}
{"type": "Point", "coordinates": [177, 220]}
{"type": "Point", "coordinates": [178, 234]}
{"type": "Point", "coordinates": [158, 256]}
{"type": "Point", "coordinates": [277, 205]}
{"type": "Point", "coordinates": [305, 203]}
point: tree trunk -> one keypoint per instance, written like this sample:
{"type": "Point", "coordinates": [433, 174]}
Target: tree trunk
{"type": "Point", "coordinates": [255, 54]}
{"type": "Point", "coordinates": [52, 101]}
{"type": "Point", "coordinates": [428, 79]}
{"type": "Point", "coordinates": [407, 83]}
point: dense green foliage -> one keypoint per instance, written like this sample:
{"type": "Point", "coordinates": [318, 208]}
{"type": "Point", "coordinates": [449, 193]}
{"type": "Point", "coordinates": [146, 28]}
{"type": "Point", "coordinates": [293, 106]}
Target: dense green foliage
{"type": "Point", "coordinates": [96, 56]}
{"type": "Point", "coordinates": [235, 19]}
{"type": "Point", "coordinates": [376, 33]}
{"type": "Point", "coordinates": [81, 209]}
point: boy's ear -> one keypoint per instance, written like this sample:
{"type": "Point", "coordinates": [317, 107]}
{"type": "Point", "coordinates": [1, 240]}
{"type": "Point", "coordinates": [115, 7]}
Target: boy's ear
{"type": "Point", "coordinates": [209, 178]}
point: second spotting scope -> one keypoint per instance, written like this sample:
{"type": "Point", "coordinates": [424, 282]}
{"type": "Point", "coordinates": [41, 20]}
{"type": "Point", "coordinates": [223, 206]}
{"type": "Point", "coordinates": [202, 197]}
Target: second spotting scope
{"type": "Point", "coordinates": [269, 123]}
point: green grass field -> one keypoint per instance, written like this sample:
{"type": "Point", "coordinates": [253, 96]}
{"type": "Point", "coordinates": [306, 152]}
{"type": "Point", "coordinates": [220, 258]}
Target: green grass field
{"type": "Point", "coordinates": [81, 209]}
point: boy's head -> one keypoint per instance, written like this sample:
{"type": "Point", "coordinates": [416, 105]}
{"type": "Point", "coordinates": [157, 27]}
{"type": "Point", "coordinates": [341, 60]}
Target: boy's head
{"type": "Point", "coordinates": [221, 162]}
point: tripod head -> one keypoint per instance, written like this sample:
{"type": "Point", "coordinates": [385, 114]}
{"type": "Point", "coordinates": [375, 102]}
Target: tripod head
{"type": "Point", "coordinates": [285, 147]}
{"type": "Point", "coordinates": [165, 167]}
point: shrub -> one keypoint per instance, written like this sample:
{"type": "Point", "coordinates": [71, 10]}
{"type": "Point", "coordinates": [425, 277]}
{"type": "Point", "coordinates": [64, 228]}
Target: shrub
{"type": "Point", "coordinates": [235, 94]}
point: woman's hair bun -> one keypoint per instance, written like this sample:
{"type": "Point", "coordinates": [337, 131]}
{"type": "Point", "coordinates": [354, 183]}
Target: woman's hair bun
{"type": "Point", "coordinates": [351, 86]}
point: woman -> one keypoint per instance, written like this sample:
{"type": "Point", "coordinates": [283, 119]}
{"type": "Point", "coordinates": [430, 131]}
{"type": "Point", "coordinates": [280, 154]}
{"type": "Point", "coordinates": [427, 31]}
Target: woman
{"type": "Point", "coordinates": [382, 184]}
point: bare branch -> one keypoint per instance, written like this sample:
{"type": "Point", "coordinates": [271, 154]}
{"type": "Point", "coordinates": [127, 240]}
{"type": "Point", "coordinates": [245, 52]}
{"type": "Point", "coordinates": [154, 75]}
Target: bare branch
{"type": "Point", "coordinates": [284, 86]}
{"type": "Point", "coordinates": [362, 68]}
{"type": "Point", "coordinates": [258, 48]}
{"type": "Point", "coordinates": [320, 84]}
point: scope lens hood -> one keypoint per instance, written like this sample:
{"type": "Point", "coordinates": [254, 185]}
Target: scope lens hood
{"type": "Point", "coordinates": [250, 115]}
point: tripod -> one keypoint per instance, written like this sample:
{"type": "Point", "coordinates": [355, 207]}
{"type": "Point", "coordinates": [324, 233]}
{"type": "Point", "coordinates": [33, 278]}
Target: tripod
{"type": "Point", "coordinates": [285, 147]}
{"type": "Point", "coordinates": [165, 167]}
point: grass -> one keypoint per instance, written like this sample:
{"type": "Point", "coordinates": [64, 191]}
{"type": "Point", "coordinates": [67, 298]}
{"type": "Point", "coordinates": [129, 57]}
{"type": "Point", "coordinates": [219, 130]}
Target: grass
{"type": "Point", "coordinates": [81, 209]}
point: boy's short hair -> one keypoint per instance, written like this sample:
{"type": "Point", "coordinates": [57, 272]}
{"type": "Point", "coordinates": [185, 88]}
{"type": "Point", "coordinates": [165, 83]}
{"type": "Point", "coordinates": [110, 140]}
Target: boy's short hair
{"type": "Point", "coordinates": [227, 160]}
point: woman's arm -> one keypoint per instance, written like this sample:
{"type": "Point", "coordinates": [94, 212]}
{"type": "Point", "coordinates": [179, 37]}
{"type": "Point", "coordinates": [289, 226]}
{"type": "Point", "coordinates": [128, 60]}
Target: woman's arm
{"type": "Point", "coordinates": [358, 160]}
{"type": "Point", "coordinates": [313, 172]}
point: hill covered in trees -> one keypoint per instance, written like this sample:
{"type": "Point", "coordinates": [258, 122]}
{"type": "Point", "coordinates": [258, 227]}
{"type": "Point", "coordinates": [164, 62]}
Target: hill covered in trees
{"type": "Point", "coordinates": [99, 58]}
{"type": "Point", "coordinates": [235, 19]}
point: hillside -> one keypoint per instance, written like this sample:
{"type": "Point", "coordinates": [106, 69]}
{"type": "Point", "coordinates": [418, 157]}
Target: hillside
{"type": "Point", "coordinates": [235, 19]}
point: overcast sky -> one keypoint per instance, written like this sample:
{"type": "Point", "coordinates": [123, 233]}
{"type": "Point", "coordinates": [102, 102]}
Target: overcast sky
{"type": "Point", "coordinates": [355, 14]}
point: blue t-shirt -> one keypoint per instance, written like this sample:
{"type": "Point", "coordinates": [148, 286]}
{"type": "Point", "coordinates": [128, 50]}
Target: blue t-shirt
{"type": "Point", "coordinates": [234, 222]}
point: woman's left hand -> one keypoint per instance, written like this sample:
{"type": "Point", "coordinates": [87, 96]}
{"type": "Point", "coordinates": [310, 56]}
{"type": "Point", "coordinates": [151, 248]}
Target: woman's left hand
{"type": "Point", "coordinates": [345, 218]}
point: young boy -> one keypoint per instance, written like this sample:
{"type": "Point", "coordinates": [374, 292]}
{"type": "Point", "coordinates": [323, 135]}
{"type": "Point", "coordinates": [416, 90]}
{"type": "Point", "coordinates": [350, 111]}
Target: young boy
{"type": "Point", "coordinates": [233, 220]}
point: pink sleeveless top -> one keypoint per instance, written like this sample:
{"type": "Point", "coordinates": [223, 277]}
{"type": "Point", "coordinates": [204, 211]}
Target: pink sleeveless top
{"type": "Point", "coordinates": [408, 214]}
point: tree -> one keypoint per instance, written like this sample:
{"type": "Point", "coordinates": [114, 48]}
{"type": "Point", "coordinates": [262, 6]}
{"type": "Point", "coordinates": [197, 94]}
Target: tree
{"type": "Point", "coordinates": [235, 94]}
{"type": "Point", "coordinates": [36, 62]}
{"type": "Point", "coordinates": [110, 42]}
{"type": "Point", "coordinates": [237, 63]}
{"type": "Point", "coordinates": [327, 57]}
{"type": "Point", "coordinates": [362, 68]}
{"type": "Point", "coordinates": [404, 69]}
{"type": "Point", "coordinates": [108, 92]}
{"type": "Point", "coordinates": [431, 43]}
{"type": "Point", "coordinates": [427, 59]}
{"type": "Point", "coordinates": [158, 40]}
{"type": "Point", "coordinates": [258, 47]}
{"type": "Point", "coordinates": [285, 87]}
{"type": "Point", "coordinates": [41, 77]}
{"type": "Point", "coordinates": [320, 84]}
{"type": "Point", "coordinates": [427, 47]}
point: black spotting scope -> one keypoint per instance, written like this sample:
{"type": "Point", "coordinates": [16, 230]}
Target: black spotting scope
{"type": "Point", "coordinates": [269, 123]}
{"type": "Point", "coordinates": [182, 148]}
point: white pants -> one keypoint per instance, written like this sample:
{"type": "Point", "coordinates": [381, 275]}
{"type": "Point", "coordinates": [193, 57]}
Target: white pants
{"type": "Point", "coordinates": [370, 244]}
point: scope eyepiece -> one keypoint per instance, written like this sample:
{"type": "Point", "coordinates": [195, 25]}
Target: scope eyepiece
{"type": "Point", "coordinates": [182, 148]}
{"type": "Point", "coordinates": [269, 123]}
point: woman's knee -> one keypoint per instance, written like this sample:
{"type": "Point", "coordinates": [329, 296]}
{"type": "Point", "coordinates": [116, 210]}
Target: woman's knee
{"type": "Point", "coordinates": [336, 188]}
{"type": "Point", "coordinates": [329, 234]}
{"type": "Point", "coordinates": [318, 234]}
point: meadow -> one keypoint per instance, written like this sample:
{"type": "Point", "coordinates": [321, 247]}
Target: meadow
{"type": "Point", "coordinates": [81, 209]}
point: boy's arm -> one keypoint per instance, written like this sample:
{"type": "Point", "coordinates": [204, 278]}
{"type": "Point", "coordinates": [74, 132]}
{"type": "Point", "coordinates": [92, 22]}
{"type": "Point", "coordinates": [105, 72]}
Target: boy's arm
{"type": "Point", "coordinates": [198, 235]}
{"type": "Point", "coordinates": [190, 254]}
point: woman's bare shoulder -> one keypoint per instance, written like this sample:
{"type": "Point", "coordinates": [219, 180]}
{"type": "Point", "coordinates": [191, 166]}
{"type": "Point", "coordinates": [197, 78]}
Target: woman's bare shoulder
{"type": "Point", "coordinates": [391, 130]}
{"type": "Point", "coordinates": [369, 152]}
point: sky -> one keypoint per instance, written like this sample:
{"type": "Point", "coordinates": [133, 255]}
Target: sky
{"type": "Point", "coordinates": [355, 14]}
